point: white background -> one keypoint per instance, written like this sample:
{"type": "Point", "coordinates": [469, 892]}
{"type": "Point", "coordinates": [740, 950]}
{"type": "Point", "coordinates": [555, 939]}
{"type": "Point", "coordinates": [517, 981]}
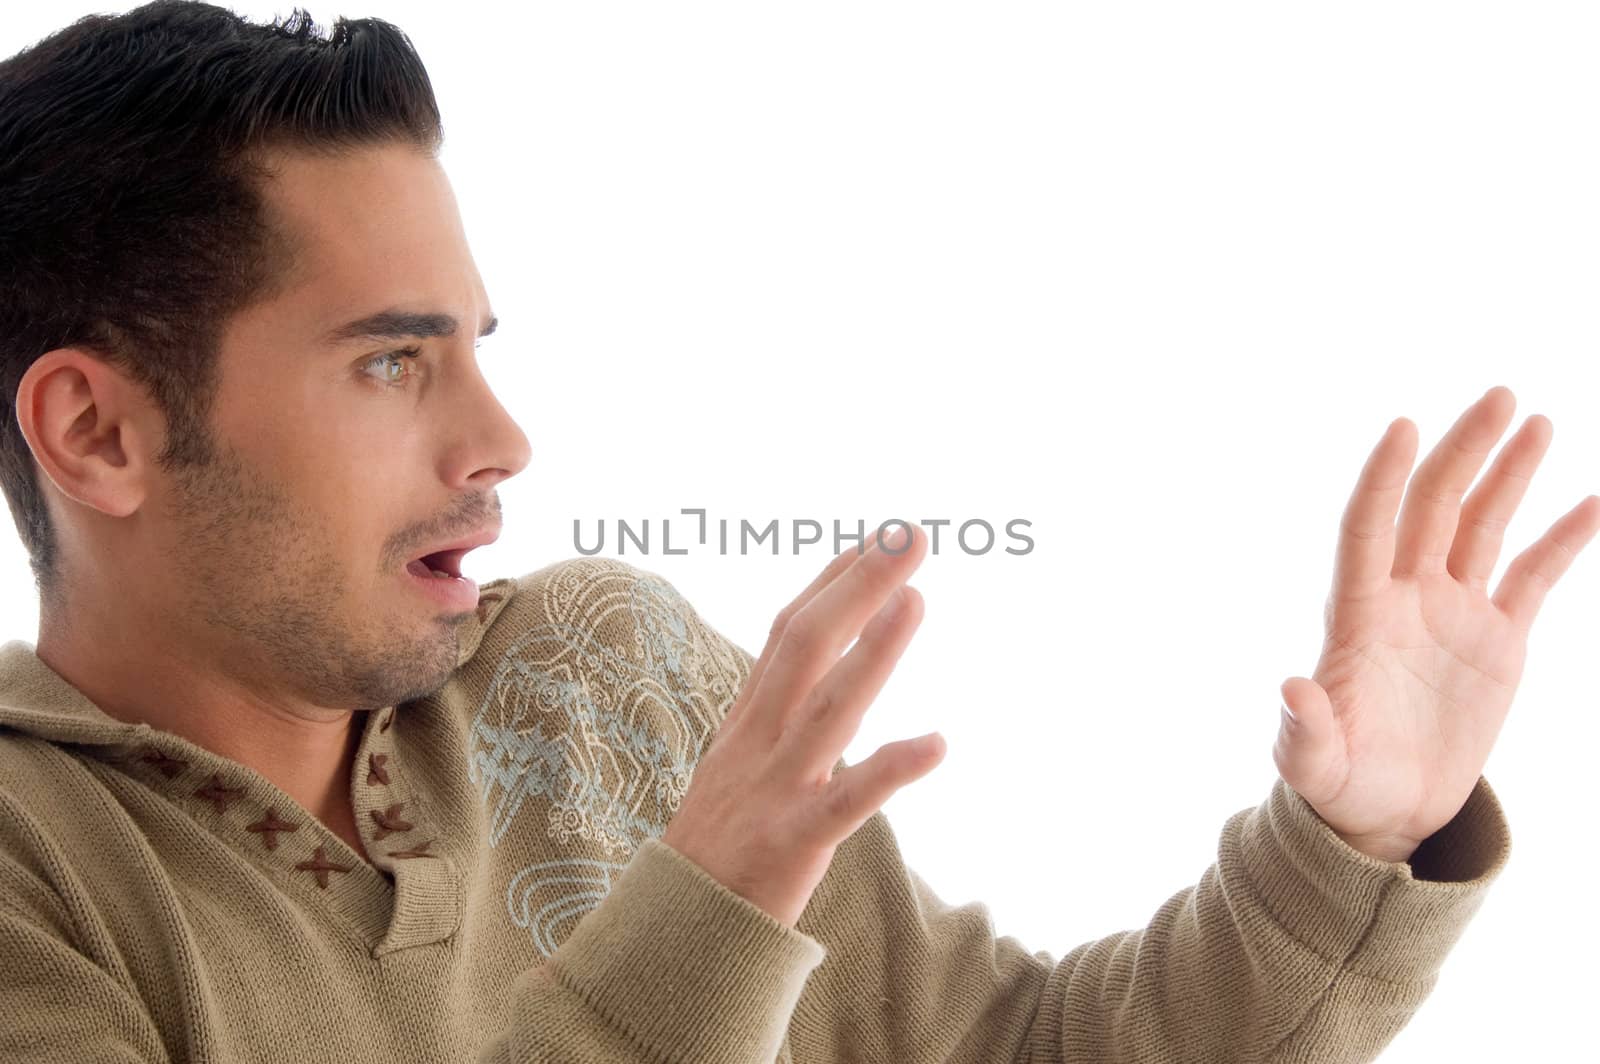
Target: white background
{"type": "Point", "coordinates": [1153, 277]}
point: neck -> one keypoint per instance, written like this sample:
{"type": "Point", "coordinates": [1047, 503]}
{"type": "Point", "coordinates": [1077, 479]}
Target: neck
{"type": "Point", "coordinates": [306, 751]}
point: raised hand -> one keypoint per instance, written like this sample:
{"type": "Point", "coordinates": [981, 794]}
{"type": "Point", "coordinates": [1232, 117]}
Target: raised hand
{"type": "Point", "coordinates": [764, 810]}
{"type": "Point", "coordinates": [1389, 735]}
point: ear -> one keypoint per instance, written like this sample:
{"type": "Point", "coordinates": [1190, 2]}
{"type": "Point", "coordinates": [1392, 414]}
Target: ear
{"type": "Point", "coordinates": [92, 429]}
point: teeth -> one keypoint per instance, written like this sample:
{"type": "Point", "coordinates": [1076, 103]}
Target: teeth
{"type": "Point", "coordinates": [437, 572]}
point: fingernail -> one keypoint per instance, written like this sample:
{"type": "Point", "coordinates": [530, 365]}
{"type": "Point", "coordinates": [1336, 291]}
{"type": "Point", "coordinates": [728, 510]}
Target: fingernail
{"type": "Point", "coordinates": [894, 538]}
{"type": "Point", "coordinates": [1290, 713]}
{"type": "Point", "coordinates": [927, 744]}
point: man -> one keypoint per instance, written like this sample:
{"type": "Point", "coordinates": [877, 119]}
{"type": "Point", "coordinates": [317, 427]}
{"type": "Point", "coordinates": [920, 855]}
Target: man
{"type": "Point", "coordinates": [277, 784]}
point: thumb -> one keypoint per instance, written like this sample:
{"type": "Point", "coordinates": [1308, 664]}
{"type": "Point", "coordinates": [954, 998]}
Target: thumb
{"type": "Point", "coordinates": [1307, 750]}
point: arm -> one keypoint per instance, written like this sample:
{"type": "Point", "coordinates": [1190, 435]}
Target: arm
{"type": "Point", "coordinates": [1321, 927]}
{"type": "Point", "coordinates": [671, 966]}
{"type": "Point", "coordinates": [58, 1005]}
{"type": "Point", "coordinates": [1291, 946]}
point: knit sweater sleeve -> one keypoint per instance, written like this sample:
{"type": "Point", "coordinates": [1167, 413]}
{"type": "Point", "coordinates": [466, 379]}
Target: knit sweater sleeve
{"type": "Point", "coordinates": [57, 1004]}
{"type": "Point", "coordinates": [670, 966]}
{"type": "Point", "coordinates": [1291, 946]}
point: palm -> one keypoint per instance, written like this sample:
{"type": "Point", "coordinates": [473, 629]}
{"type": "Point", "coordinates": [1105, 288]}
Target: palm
{"type": "Point", "coordinates": [1419, 664]}
{"type": "Point", "coordinates": [1420, 680]}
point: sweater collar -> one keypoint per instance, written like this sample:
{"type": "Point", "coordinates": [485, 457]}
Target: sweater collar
{"type": "Point", "coordinates": [414, 831]}
{"type": "Point", "coordinates": [38, 701]}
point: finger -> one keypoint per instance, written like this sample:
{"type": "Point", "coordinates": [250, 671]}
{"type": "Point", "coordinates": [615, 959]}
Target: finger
{"type": "Point", "coordinates": [1432, 504]}
{"type": "Point", "coordinates": [819, 730]}
{"type": "Point", "coordinates": [1488, 509]}
{"type": "Point", "coordinates": [817, 634]}
{"type": "Point", "coordinates": [1309, 750]}
{"type": "Point", "coordinates": [858, 791]}
{"type": "Point", "coordinates": [1535, 571]}
{"type": "Point", "coordinates": [1365, 551]}
{"type": "Point", "coordinates": [830, 572]}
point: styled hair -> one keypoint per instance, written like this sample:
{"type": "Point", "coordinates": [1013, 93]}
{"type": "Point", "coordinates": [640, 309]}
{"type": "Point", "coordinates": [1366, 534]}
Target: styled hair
{"type": "Point", "coordinates": [132, 218]}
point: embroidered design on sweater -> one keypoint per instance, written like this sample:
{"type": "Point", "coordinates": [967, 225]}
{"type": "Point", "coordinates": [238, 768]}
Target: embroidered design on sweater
{"type": "Point", "coordinates": [217, 794]}
{"type": "Point", "coordinates": [547, 912]}
{"type": "Point", "coordinates": [321, 866]}
{"type": "Point", "coordinates": [269, 826]}
{"type": "Point", "coordinates": [169, 767]}
{"type": "Point", "coordinates": [389, 821]}
{"type": "Point", "coordinates": [590, 728]}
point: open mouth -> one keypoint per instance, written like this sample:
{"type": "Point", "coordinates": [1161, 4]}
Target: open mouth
{"type": "Point", "coordinates": [442, 565]}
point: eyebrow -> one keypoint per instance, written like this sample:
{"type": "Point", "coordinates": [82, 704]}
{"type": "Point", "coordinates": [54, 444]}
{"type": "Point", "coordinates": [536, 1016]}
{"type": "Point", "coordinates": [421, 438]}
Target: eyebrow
{"type": "Point", "coordinates": [394, 324]}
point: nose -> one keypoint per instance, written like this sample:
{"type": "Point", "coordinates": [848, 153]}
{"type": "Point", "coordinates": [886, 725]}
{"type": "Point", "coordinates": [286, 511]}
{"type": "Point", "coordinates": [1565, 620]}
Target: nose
{"type": "Point", "coordinates": [492, 447]}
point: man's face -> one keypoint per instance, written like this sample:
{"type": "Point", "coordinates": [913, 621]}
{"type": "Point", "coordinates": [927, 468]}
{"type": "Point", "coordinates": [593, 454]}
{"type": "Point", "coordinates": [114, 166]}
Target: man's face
{"type": "Point", "coordinates": [289, 553]}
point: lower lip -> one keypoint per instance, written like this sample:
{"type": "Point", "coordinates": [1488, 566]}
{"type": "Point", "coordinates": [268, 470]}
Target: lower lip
{"type": "Point", "coordinates": [456, 591]}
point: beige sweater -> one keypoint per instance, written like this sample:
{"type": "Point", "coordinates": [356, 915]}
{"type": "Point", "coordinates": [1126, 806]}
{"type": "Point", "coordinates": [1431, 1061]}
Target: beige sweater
{"type": "Point", "coordinates": [161, 903]}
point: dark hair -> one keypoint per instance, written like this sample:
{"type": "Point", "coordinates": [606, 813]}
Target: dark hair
{"type": "Point", "coordinates": [132, 221]}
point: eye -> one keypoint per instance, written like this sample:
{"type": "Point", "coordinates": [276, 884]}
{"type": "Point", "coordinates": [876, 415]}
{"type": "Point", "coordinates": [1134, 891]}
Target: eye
{"type": "Point", "coordinates": [389, 360]}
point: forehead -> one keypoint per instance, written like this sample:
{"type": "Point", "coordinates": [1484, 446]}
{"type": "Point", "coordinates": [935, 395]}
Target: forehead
{"type": "Point", "coordinates": [372, 228]}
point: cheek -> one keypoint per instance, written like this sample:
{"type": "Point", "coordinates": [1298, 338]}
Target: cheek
{"type": "Point", "coordinates": [365, 491]}
{"type": "Point", "coordinates": [361, 460]}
